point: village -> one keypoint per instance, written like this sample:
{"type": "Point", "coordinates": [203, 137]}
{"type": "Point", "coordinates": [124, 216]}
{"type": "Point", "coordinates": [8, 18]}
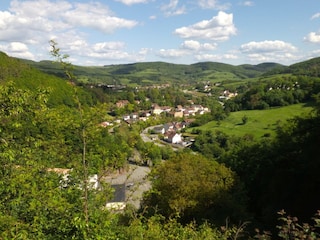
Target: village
{"type": "Point", "coordinates": [130, 185]}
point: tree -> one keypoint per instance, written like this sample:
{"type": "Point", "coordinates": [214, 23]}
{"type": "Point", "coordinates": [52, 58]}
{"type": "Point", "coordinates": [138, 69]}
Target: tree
{"type": "Point", "coordinates": [244, 119]}
{"type": "Point", "coordinates": [192, 187]}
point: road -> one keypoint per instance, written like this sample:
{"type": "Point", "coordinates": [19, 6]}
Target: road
{"type": "Point", "coordinates": [136, 182]}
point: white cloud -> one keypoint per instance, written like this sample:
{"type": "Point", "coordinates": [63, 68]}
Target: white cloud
{"type": "Point", "coordinates": [104, 57]}
{"type": "Point", "coordinates": [219, 28]}
{"type": "Point", "coordinates": [314, 16]}
{"type": "Point", "coordinates": [209, 46]}
{"type": "Point", "coordinates": [214, 57]}
{"type": "Point", "coordinates": [97, 16]}
{"type": "Point", "coordinates": [197, 46]}
{"type": "Point", "coordinates": [33, 21]}
{"type": "Point", "coordinates": [312, 54]}
{"type": "Point", "coordinates": [172, 53]}
{"type": "Point", "coordinates": [188, 48]}
{"type": "Point", "coordinates": [275, 51]}
{"type": "Point", "coordinates": [103, 52]}
{"type": "Point", "coordinates": [313, 37]}
{"type": "Point", "coordinates": [17, 49]}
{"type": "Point", "coordinates": [247, 3]}
{"type": "Point", "coordinates": [272, 57]}
{"type": "Point", "coordinates": [144, 51]}
{"type": "Point", "coordinates": [213, 4]}
{"type": "Point", "coordinates": [108, 46]}
{"type": "Point", "coordinates": [267, 47]}
{"type": "Point", "coordinates": [191, 44]}
{"type": "Point", "coordinates": [131, 2]}
{"type": "Point", "coordinates": [172, 8]}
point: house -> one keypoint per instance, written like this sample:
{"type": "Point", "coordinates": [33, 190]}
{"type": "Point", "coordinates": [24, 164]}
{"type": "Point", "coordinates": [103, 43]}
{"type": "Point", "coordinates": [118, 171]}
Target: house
{"type": "Point", "coordinates": [134, 115]}
{"type": "Point", "coordinates": [180, 108]}
{"type": "Point", "coordinates": [173, 137]}
{"type": "Point", "coordinates": [93, 182]}
{"type": "Point", "coordinates": [226, 94]}
{"type": "Point", "coordinates": [157, 110]}
{"type": "Point", "coordinates": [177, 126]}
{"type": "Point", "coordinates": [196, 108]}
{"type": "Point", "coordinates": [168, 127]}
{"type": "Point", "coordinates": [118, 202]}
{"type": "Point", "coordinates": [178, 114]}
{"type": "Point", "coordinates": [126, 117]}
{"type": "Point", "coordinates": [106, 124]}
{"type": "Point", "coordinates": [122, 103]}
{"type": "Point", "coordinates": [166, 109]}
{"type": "Point", "coordinates": [145, 114]}
{"type": "Point", "coordinates": [159, 129]}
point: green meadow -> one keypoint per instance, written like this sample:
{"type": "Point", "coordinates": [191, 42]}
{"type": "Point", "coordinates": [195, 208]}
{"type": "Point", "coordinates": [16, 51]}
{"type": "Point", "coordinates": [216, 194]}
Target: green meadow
{"type": "Point", "coordinates": [259, 122]}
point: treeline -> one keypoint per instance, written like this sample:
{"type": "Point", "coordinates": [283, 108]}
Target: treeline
{"type": "Point", "coordinates": [151, 73]}
{"type": "Point", "coordinates": [276, 92]}
{"type": "Point", "coordinates": [280, 173]}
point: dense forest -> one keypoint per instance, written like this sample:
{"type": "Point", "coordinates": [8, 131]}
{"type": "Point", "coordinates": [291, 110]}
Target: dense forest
{"type": "Point", "coordinates": [222, 187]}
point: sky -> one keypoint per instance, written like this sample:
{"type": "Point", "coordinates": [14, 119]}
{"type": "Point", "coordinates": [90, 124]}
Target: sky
{"type": "Point", "coordinates": [105, 32]}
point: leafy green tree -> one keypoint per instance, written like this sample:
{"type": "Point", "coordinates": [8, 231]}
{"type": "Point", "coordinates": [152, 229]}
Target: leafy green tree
{"type": "Point", "coordinates": [192, 187]}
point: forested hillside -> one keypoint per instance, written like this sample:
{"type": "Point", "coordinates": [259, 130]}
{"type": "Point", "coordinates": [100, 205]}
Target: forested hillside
{"type": "Point", "coordinates": [26, 77]}
{"type": "Point", "coordinates": [140, 74]}
{"type": "Point", "coordinates": [308, 68]}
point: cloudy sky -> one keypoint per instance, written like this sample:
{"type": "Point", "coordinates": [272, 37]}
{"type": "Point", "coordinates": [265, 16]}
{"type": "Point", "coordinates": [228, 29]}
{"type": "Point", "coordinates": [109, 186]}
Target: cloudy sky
{"type": "Point", "coordinates": [102, 32]}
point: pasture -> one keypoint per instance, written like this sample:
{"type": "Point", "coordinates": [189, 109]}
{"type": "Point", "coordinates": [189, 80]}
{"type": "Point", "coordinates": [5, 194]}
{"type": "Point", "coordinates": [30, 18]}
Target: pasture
{"type": "Point", "coordinates": [258, 123]}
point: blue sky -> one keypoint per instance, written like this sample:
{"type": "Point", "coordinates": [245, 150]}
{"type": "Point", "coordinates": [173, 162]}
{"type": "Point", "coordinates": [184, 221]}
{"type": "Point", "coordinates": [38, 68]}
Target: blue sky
{"type": "Point", "coordinates": [103, 32]}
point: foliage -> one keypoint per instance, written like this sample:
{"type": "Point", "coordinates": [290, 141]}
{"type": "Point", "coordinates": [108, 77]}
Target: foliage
{"type": "Point", "coordinates": [281, 173]}
{"type": "Point", "coordinates": [26, 77]}
{"type": "Point", "coordinates": [157, 227]}
{"type": "Point", "coordinates": [34, 139]}
{"type": "Point", "coordinates": [290, 228]}
{"type": "Point", "coordinates": [194, 188]}
{"type": "Point", "coordinates": [274, 92]}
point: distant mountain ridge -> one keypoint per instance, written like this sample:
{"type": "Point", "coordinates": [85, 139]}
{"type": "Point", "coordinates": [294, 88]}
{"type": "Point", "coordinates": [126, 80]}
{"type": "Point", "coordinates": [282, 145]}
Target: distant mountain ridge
{"type": "Point", "coordinates": [148, 73]}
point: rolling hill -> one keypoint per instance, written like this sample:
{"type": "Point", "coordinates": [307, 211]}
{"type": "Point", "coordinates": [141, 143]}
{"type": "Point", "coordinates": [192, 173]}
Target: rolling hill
{"type": "Point", "coordinates": [148, 73]}
{"type": "Point", "coordinates": [26, 76]}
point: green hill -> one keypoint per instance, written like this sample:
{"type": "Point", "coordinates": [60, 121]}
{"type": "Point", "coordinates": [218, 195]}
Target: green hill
{"type": "Point", "coordinates": [148, 73]}
{"type": "Point", "coordinates": [27, 77]}
{"type": "Point", "coordinates": [157, 73]}
{"type": "Point", "coordinates": [310, 68]}
{"type": "Point", "coordinates": [259, 122]}
{"type": "Point", "coordinates": [307, 68]}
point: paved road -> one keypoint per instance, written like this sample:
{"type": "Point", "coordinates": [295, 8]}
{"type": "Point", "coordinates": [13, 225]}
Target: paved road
{"type": "Point", "coordinates": [136, 183]}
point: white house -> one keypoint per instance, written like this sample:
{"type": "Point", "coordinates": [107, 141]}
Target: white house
{"type": "Point", "coordinates": [173, 137]}
{"type": "Point", "coordinates": [157, 110]}
{"type": "Point", "coordinates": [93, 182]}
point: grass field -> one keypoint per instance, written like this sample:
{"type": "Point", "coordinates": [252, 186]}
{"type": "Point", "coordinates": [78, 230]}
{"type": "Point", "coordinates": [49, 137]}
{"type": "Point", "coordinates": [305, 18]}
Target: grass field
{"type": "Point", "coordinates": [259, 122]}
